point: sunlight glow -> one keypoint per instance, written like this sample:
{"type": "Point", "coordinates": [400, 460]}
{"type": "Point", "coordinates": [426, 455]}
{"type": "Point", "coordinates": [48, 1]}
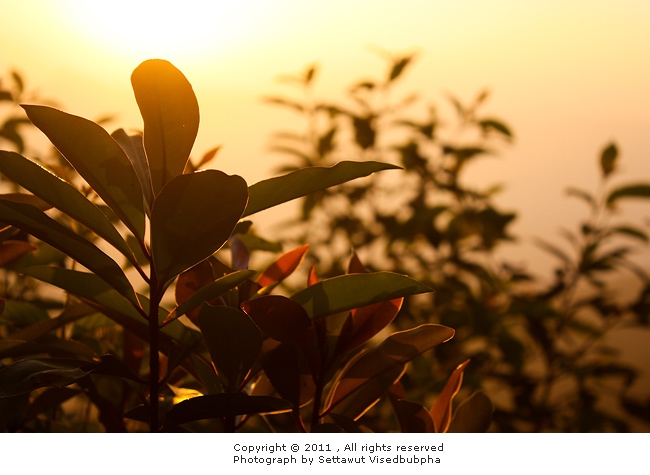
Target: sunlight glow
{"type": "Point", "coordinates": [190, 29]}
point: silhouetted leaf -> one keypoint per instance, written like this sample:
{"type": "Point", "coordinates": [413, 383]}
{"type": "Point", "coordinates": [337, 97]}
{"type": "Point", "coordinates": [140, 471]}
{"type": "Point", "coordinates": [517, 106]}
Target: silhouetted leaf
{"type": "Point", "coordinates": [346, 292]}
{"type": "Point", "coordinates": [287, 369]}
{"type": "Point", "coordinates": [99, 160]}
{"type": "Point", "coordinates": [493, 124]}
{"type": "Point", "coordinates": [63, 196]}
{"type": "Point", "coordinates": [398, 67]}
{"type": "Point", "coordinates": [630, 231]}
{"type": "Point", "coordinates": [441, 409]}
{"type": "Point", "coordinates": [171, 118]}
{"type": "Point", "coordinates": [413, 417]}
{"type": "Point", "coordinates": [364, 131]}
{"type": "Point", "coordinates": [274, 191]}
{"type": "Point", "coordinates": [608, 159]}
{"type": "Point", "coordinates": [192, 218]}
{"type": "Point", "coordinates": [233, 341]}
{"type": "Point", "coordinates": [213, 406]}
{"type": "Point", "coordinates": [38, 224]}
{"type": "Point", "coordinates": [473, 415]}
{"type": "Point", "coordinates": [24, 376]}
{"type": "Point", "coordinates": [631, 191]}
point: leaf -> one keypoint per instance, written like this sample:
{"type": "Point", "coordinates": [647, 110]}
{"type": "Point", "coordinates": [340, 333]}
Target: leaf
{"type": "Point", "coordinates": [280, 318]}
{"type": "Point", "coordinates": [210, 292]}
{"type": "Point", "coordinates": [413, 417]}
{"type": "Point", "coordinates": [351, 291]}
{"type": "Point", "coordinates": [62, 196]}
{"type": "Point", "coordinates": [24, 376]}
{"type": "Point", "coordinates": [365, 322]}
{"type": "Point", "coordinates": [286, 368]}
{"type": "Point", "coordinates": [12, 250]}
{"type": "Point", "coordinates": [214, 406]}
{"type": "Point", "coordinates": [493, 124]}
{"type": "Point", "coordinates": [134, 148]}
{"type": "Point", "coordinates": [368, 394]}
{"type": "Point", "coordinates": [98, 159]}
{"type": "Point", "coordinates": [473, 415]}
{"type": "Point", "coordinates": [641, 190]}
{"type": "Point", "coordinates": [583, 195]}
{"type": "Point", "coordinates": [192, 218]}
{"type": "Point", "coordinates": [441, 409]}
{"type": "Point", "coordinates": [41, 226]}
{"type": "Point", "coordinates": [94, 291]}
{"type": "Point", "coordinates": [397, 350]}
{"type": "Point", "coordinates": [398, 67]}
{"type": "Point", "coordinates": [171, 118]}
{"type": "Point", "coordinates": [283, 266]}
{"type": "Point", "coordinates": [274, 191]}
{"type": "Point", "coordinates": [608, 159]}
{"type": "Point", "coordinates": [233, 341]}
{"type": "Point", "coordinates": [188, 283]}
{"type": "Point", "coordinates": [630, 231]}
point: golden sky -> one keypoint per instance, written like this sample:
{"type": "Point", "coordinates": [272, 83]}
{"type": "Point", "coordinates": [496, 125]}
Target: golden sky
{"type": "Point", "coordinates": [568, 76]}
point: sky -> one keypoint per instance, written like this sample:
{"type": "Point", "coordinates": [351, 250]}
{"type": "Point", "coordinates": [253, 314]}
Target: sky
{"type": "Point", "coordinates": [567, 76]}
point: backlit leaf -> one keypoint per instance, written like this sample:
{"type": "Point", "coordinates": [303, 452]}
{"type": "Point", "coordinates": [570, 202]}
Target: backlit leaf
{"type": "Point", "coordinates": [287, 369]}
{"type": "Point", "coordinates": [192, 218]}
{"type": "Point", "coordinates": [233, 341]}
{"type": "Point", "coordinates": [171, 118]}
{"type": "Point", "coordinates": [133, 146]}
{"type": "Point", "coordinates": [12, 250]}
{"type": "Point", "coordinates": [274, 191]}
{"type": "Point", "coordinates": [441, 409]}
{"type": "Point", "coordinates": [99, 160]}
{"type": "Point", "coordinates": [473, 415]}
{"type": "Point", "coordinates": [283, 266]}
{"type": "Point", "coordinates": [346, 292]}
{"type": "Point", "coordinates": [397, 350]}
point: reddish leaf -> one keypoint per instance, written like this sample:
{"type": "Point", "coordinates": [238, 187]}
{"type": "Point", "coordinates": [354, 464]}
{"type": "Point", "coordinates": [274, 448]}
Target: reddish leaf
{"type": "Point", "coordinates": [441, 410]}
{"type": "Point", "coordinates": [283, 266]}
{"type": "Point", "coordinates": [12, 250]}
{"type": "Point", "coordinates": [312, 278]}
{"type": "Point", "coordinates": [192, 280]}
{"type": "Point", "coordinates": [365, 322]}
{"type": "Point", "coordinates": [280, 318]}
{"type": "Point", "coordinates": [355, 266]}
{"type": "Point", "coordinates": [397, 350]}
{"type": "Point", "coordinates": [473, 415]}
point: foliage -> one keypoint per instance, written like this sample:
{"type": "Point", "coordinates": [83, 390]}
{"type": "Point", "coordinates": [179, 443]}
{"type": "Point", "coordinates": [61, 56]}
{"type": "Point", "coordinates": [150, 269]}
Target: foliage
{"type": "Point", "coordinates": [112, 350]}
{"type": "Point", "coordinates": [538, 350]}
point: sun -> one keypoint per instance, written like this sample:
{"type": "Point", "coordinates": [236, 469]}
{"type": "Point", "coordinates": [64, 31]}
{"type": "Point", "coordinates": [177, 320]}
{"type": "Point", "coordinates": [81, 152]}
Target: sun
{"type": "Point", "coordinates": [188, 29]}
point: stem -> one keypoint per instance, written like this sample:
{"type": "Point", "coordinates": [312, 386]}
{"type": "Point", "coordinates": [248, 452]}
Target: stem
{"type": "Point", "coordinates": [154, 361]}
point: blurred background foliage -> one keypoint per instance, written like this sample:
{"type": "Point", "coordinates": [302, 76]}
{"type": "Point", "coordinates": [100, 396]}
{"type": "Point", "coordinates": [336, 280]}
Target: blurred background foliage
{"type": "Point", "coordinates": [538, 347]}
